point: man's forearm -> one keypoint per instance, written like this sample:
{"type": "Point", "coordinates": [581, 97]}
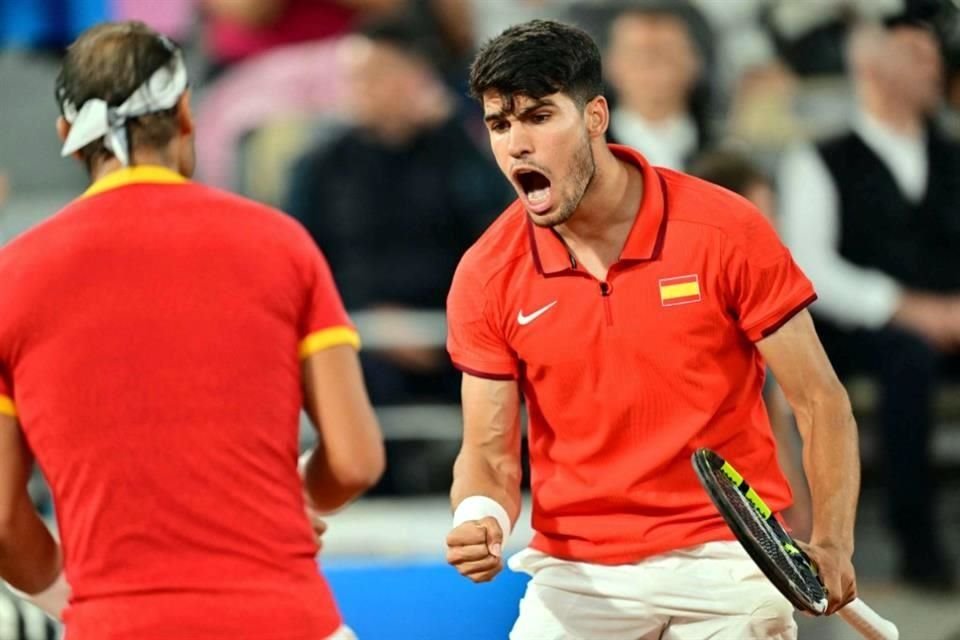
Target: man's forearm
{"type": "Point", "coordinates": [474, 474]}
{"type": "Point", "coordinates": [29, 555]}
{"type": "Point", "coordinates": [328, 489]}
{"type": "Point", "coordinates": [831, 459]}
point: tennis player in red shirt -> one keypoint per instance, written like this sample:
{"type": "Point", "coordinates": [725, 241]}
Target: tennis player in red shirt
{"type": "Point", "coordinates": [633, 309]}
{"type": "Point", "coordinates": [157, 342]}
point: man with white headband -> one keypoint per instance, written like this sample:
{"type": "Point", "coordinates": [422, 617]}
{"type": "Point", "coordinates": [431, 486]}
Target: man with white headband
{"type": "Point", "coordinates": [157, 342]}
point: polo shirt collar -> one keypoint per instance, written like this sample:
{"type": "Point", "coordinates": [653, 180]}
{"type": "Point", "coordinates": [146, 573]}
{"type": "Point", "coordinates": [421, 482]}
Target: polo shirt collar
{"type": "Point", "coordinates": [139, 174]}
{"type": "Point", "coordinates": [550, 252]}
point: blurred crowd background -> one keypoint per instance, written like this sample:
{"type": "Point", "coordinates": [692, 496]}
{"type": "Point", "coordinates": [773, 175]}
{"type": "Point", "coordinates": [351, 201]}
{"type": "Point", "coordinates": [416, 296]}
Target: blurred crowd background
{"type": "Point", "coordinates": [837, 118]}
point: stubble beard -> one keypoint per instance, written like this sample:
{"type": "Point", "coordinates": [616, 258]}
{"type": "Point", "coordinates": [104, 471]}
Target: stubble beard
{"type": "Point", "coordinates": [584, 168]}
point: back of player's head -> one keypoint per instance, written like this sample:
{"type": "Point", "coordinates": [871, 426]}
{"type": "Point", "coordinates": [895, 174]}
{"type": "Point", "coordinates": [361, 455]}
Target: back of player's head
{"type": "Point", "coordinates": [536, 59]}
{"type": "Point", "coordinates": [729, 169]}
{"type": "Point", "coordinates": [110, 62]}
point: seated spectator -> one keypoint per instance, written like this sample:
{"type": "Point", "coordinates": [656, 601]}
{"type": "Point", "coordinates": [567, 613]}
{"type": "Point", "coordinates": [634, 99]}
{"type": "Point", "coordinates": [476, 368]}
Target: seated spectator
{"type": "Point", "coordinates": [239, 29]}
{"type": "Point", "coordinates": [735, 171]}
{"type": "Point", "coordinates": [654, 65]}
{"type": "Point", "coordinates": [810, 36]}
{"type": "Point", "coordinates": [301, 81]}
{"type": "Point", "coordinates": [395, 199]}
{"type": "Point", "coordinates": [274, 75]}
{"type": "Point", "coordinates": [871, 216]}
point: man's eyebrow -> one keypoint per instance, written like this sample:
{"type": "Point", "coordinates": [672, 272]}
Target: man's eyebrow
{"type": "Point", "coordinates": [537, 104]}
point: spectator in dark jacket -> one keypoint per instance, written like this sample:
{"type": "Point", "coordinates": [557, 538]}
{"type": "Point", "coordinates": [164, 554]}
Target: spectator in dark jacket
{"type": "Point", "coordinates": [394, 201]}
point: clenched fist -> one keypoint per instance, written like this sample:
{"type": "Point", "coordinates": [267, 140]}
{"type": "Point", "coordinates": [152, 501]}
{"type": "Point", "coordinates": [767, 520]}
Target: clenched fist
{"type": "Point", "coordinates": [475, 549]}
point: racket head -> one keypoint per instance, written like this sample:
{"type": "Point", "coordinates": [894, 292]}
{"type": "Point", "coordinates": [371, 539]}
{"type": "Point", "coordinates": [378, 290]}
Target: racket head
{"type": "Point", "coordinates": [763, 538]}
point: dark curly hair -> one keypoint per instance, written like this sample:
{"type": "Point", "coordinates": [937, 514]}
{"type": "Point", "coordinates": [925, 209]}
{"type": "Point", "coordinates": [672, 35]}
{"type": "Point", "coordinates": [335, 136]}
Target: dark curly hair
{"type": "Point", "coordinates": [538, 58]}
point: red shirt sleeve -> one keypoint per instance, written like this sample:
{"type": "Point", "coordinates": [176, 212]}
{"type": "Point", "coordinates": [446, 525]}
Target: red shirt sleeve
{"type": "Point", "coordinates": [325, 322]}
{"type": "Point", "coordinates": [475, 340]}
{"type": "Point", "coordinates": [765, 286]}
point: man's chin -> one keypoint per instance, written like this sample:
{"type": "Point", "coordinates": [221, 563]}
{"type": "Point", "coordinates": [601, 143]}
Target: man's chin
{"type": "Point", "coordinates": [550, 218]}
{"type": "Point", "coordinates": [543, 219]}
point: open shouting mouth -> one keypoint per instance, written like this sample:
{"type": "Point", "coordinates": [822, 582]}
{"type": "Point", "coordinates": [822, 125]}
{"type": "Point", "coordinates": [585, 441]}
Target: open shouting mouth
{"type": "Point", "coordinates": [534, 189]}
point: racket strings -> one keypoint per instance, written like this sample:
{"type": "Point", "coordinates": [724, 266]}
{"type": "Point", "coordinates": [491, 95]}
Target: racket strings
{"type": "Point", "coordinates": [769, 541]}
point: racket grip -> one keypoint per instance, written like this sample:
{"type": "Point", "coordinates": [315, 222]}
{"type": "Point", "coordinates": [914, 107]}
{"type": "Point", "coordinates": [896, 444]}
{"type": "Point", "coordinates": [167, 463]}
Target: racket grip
{"type": "Point", "coordinates": [868, 622]}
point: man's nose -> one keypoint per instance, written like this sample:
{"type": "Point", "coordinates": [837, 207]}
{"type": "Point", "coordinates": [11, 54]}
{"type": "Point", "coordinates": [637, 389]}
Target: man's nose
{"type": "Point", "coordinates": [520, 143]}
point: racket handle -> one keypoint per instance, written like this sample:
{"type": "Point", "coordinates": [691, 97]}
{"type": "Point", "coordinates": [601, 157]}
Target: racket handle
{"type": "Point", "coordinates": [868, 622]}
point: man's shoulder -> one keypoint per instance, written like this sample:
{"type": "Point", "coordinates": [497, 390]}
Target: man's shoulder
{"type": "Point", "coordinates": [35, 237]}
{"type": "Point", "coordinates": [726, 219]}
{"type": "Point", "coordinates": [505, 241]}
{"type": "Point", "coordinates": [240, 210]}
{"type": "Point", "coordinates": [253, 218]}
{"type": "Point", "coordinates": [692, 200]}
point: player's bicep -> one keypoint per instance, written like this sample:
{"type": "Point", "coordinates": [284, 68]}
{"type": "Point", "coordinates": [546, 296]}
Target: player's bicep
{"type": "Point", "coordinates": [491, 415]}
{"type": "Point", "coordinates": [800, 365]}
{"type": "Point", "coordinates": [333, 387]}
{"type": "Point", "coordinates": [335, 398]}
{"type": "Point", "coordinates": [15, 465]}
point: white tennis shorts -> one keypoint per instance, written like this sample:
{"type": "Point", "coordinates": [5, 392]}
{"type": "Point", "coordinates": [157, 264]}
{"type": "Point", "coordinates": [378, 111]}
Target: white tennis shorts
{"type": "Point", "coordinates": [711, 591]}
{"type": "Point", "coordinates": [343, 633]}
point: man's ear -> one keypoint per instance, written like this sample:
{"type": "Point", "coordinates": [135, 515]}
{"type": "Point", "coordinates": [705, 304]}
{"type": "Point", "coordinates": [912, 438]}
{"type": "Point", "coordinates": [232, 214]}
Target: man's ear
{"type": "Point", "coordinates": [597, 115]}
{"type": "Point", "coordinates": [185, 122]}
{"type": "Point", "coordinates": [63, 130]}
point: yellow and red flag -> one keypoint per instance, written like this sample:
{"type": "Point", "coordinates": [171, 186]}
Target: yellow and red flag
{"type": "Point", "coordinates": [679, 290]}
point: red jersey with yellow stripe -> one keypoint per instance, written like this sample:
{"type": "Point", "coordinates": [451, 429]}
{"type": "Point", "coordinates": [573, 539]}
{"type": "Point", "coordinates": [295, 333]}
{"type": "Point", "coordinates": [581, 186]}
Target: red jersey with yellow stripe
{"type": "Point", "coordinates": [625, 378]}
{"type": "Point", "coordinates": [150, 346]}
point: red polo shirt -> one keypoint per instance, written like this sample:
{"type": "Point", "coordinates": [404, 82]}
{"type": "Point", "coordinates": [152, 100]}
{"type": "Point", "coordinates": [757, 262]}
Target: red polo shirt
{"type": "Point", "coordinates": [624, 379]}
{"type": "Point", "coordinates": [150, 342]}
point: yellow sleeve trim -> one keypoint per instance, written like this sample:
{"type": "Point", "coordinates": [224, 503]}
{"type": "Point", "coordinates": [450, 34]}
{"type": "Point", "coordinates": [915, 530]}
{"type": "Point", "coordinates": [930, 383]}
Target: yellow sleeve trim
{"type": "Point", "coordinates": [326, 338]}
{"type": "Point", "coordinates": [7, 407]}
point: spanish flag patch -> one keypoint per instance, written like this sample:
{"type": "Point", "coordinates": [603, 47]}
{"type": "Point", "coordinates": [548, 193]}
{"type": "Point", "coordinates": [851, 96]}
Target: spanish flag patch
{"type": "Point", "coordinates": [679, 290]}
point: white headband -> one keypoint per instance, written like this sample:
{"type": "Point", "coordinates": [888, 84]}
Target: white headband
{"type": "Point", "coordinates": [96, 119]}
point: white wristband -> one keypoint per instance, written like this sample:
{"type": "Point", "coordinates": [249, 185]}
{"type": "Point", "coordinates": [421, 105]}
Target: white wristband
{"type": "Point", "coordinates": [52, 600]}
{"type": "Point", "coordinates": [480, 507]}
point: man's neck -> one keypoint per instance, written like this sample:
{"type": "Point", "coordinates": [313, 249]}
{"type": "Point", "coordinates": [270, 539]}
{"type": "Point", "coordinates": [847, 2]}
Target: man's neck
{"type": "Point", "coordinates": [605, 216]}
{"type": "Point", "coordinates": [892, 113]}
{"type": "Point", "coordinates": [141, 157]}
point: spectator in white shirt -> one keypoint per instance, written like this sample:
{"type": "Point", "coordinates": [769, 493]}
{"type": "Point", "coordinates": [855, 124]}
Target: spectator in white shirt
{"type": "Point", "coordinates": [654, 65]}
{"type": "Point", "coordinates": [873, 217]}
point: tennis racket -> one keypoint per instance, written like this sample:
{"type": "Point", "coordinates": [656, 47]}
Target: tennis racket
{"type": "Point", "coordinates": [771, 547]}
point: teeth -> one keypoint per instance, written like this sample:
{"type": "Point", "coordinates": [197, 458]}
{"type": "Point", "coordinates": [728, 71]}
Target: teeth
{"type": "Point", "coordinates": [538, 196]}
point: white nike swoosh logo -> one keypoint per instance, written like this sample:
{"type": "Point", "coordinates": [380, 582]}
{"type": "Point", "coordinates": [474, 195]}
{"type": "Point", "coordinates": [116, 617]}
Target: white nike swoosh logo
{"type": "Point", "coordinates": [525, 320]}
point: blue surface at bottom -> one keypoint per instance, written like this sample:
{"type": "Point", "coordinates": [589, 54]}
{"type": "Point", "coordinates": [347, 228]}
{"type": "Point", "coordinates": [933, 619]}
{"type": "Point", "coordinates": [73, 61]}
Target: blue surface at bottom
{"type": "Point", "coordinates": [424, 601]}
